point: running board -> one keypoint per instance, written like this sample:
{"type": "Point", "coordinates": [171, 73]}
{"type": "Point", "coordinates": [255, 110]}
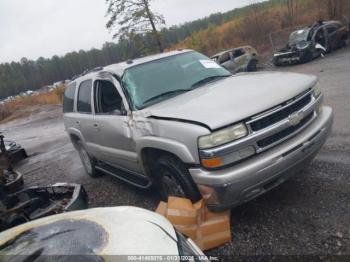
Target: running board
{"type": "Point", "coordinates": [125, 175]}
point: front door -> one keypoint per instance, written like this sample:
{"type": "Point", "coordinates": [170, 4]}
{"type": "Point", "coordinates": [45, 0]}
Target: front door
{"type": "Point", "coordinates": [112, 127]}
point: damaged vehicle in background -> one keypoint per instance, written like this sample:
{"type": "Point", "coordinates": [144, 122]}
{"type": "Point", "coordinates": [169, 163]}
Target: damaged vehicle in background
{"type": "Point", "coordinates": [240, 59]}
{"type": "Point", "coordinates": [180, 122]}
{"type": "Point", "coordinates": [99, 235]}
{"type": "Point", "coordinates": [308, 43]}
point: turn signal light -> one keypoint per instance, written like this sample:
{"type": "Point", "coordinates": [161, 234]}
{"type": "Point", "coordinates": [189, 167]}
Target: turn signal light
{"type": "Point", "coordinates": [212, 162]}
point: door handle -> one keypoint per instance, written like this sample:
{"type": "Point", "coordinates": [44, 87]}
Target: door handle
{"type": "Point", "coordinates": [96, 126]}
{"type": "Point", "coordinates": [77, 122]}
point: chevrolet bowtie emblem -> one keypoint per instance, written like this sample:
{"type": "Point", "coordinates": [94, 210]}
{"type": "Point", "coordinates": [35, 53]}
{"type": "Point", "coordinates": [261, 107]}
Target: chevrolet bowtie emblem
{"type": "Point", "coordinates": [296, 118]}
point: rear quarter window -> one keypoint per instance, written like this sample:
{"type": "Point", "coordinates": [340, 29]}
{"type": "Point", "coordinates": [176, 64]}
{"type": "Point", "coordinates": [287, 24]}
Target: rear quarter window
{"type": "Point", "coordinates": [68, 100]}
{"type": "Point", "coordinates": [84, 97]}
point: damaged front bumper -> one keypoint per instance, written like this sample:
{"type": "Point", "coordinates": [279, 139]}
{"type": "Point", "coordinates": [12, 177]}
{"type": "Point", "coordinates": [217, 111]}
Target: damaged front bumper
{"type": "Point", "coordinates": [225, 189]}
{"type": "Point", "coordinates": [288, 58]}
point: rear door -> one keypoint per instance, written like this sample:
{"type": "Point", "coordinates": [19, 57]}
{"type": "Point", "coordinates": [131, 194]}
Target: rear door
{"type": "Point", "coordinates": [332, 35]}
{"type": "Point", "coordinates": [240, 59]}
{"type": "Point", "coordinates": [84, 120]}
{"type": "Point", "coordinates": [112, 131]}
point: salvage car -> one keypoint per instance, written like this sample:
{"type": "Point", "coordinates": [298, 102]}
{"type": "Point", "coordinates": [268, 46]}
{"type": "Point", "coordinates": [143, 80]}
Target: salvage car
{"type": "Point", "coordinates": [37, 202]}
{"type": "Point", "coordinates": [308, 43]}
{"type": "Point", "coordinates": [183, 124]}
{"type": "Point", "coordinates": [132, 234]}
{"type": "Point", "coordinates": [240, 59]}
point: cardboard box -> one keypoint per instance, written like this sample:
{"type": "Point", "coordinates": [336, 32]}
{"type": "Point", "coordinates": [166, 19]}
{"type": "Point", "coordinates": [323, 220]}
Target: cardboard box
{"type": "Point", "coordinates": [207, 229]}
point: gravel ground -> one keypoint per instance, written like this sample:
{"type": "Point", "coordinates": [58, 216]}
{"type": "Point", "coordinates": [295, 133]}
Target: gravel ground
{"type": "Point", "coordinates": [307, 215]}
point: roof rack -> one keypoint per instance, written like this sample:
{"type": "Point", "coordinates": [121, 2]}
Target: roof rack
{"type": "Point", "coordinates": [96, 69]}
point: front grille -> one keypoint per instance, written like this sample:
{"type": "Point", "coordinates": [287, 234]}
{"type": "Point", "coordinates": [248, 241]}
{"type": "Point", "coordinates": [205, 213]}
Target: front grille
{"type": "Point", "coordinates": [283, 134]}
{"type": "Point", "coordinates": [281, 114]}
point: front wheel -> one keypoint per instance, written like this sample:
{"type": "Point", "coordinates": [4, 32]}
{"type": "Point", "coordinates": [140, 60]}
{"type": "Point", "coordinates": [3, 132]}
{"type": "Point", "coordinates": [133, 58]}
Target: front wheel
{"type": "Point", "coordinates": [173, 179]}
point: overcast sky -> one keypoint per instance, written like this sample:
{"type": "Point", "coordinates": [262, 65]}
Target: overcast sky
{"type": "Point", "coordinates": [34, 28]}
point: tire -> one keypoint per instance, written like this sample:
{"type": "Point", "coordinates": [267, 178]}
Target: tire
{"type": "Point", "coordinates": [173, 179]}
{"type": "Point", "coordinates": [276, 62]}
{"type": "Point", "coordinates": [307, 57]}
{"type": "Point", "coordinates": [89, 163]}
{"type": "Point", "coordinates": [252, 66]}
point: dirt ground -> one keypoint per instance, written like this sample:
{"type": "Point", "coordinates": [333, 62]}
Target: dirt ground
{"type": "Point", "coordinates": [307, 215]}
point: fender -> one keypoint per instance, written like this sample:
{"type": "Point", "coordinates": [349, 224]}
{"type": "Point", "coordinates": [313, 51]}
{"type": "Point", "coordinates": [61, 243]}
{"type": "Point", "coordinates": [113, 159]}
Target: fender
{"type": "Point", "coordinates": [171, 146]}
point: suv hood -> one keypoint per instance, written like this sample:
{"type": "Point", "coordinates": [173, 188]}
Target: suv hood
{"type": "Point", "coordinates": [233, 99]}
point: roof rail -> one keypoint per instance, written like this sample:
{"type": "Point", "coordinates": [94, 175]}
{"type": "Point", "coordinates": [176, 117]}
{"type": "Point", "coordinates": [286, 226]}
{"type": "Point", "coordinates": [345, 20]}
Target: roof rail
{"type": "Point", "coordinates": [96, 69]}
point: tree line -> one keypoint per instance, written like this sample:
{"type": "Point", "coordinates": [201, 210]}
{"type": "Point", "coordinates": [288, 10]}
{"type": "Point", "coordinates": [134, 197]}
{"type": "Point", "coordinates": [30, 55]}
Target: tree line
{"type": "Point", "coordinates": [247, 25]}
{"type": "Point", "coordinates": [26, 74]}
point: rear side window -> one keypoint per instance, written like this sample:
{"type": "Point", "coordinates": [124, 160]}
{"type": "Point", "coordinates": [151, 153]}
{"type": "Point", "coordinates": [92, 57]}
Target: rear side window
{"type": "Point", "coordinates": [68, 101]}
{"type": "Point", "coordinates": [84, 97]}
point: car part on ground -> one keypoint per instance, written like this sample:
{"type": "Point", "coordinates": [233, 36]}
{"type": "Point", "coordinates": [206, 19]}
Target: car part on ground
{"type": "Point", "coordinates": [98, 234]}
{"type": "Point", "coordinates": [219, 130]}
{"type": "Point", "coordinates": [14, 181]}
{"type": "Point", "coordinates": [308, 43]}
{"type": "Point", "coordinates": [37, 202]}
{"type": "Point", "coordinates": [208, 230]}
{"type": "Point", "coordinates": [16, 152]}
{"type": "Point", "coordinates": [240, 59]}
{"type": "Point", "coordinates": [11, 181]}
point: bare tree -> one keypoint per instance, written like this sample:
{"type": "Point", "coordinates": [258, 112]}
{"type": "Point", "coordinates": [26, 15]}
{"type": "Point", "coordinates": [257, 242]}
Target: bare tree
{"type": "Point", "coordinates": [334, 8]}
{"type": "Point", "coordinates": [133, 17]}
{"type": "Point", "coordinates": [292, 11]}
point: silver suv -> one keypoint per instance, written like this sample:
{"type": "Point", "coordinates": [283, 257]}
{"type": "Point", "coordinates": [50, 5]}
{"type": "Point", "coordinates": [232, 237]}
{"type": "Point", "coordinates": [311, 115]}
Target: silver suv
{"type": "Point", "coordinates": [182, 123]}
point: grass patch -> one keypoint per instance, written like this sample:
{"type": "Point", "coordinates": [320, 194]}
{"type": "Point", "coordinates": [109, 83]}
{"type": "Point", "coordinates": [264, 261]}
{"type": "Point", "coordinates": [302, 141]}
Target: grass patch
{"type": "Point", "coordinates": [17, 107]}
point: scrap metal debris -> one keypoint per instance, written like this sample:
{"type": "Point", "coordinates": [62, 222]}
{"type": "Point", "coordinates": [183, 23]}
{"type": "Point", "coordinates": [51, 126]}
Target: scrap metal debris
{"type": "Point", "coordinates": [38, 202]}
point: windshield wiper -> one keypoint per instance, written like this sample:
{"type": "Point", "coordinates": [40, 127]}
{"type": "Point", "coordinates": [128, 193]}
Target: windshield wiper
{"type": "Point", "coordinates": [208, 80]}
{"type": "Point", "coordinates": [177, 91]}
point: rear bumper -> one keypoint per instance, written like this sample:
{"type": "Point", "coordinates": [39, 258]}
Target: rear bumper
{"type": "Point", "coordinates": [233, 186]}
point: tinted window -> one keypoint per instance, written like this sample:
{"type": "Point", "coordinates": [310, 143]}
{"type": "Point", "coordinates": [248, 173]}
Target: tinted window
{"type": "Point", "coordinates": [107, 98]}
{"type": "Point", "coordinates": [331, 29]}
{"type": "Point", "coordinates": [68, 101]}
{"type": "Point", "coordinates": [84, 97]}
{"type": "Point", "coordinates": [238, 53]}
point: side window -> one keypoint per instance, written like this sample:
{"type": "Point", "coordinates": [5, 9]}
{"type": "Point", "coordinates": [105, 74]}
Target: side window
{"type": "Point", "coordinates": [224, 58]}
{"type": "Point", "coordinates": [237, 53]}
{"type": "Point", "coordinates": [84, 97]}
{"type": "Point", "coordinates": [331, 29]}
{"type": "Point", "coordinates": [107, 98]}
{"type": "Point", "coordinates": [68, 100]}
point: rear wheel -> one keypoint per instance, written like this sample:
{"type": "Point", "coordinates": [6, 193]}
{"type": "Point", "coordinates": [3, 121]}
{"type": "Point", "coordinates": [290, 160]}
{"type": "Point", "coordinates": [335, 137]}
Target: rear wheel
{"type": "Point", "coordinates": [89, 163]}
{"type": "Point", "coordinates": [173, 179]}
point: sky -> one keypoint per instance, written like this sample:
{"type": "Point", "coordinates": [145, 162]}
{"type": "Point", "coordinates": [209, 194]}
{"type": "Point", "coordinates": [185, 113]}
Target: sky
{"type": "Point", "coordinates": [55, 27]}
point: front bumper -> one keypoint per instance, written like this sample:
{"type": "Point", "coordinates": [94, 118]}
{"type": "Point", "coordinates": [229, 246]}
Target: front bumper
{"type": "Point", "coordinates": [230, 187]}
{"type": "Point", "coordinates": [288, 58]}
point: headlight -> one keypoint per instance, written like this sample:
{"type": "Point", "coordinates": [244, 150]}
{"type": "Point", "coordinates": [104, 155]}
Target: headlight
{"type": "Point", "coordinates": [316, 90]}
{"type": "Point", "coordinates": [223, 136]}
{"type": "Point", "coordinates": [303, 45]}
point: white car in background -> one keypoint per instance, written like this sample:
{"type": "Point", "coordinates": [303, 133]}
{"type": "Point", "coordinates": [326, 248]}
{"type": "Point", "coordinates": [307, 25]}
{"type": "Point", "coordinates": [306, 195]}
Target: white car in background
{"type": "Point", "coordinates": [130, 233]}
